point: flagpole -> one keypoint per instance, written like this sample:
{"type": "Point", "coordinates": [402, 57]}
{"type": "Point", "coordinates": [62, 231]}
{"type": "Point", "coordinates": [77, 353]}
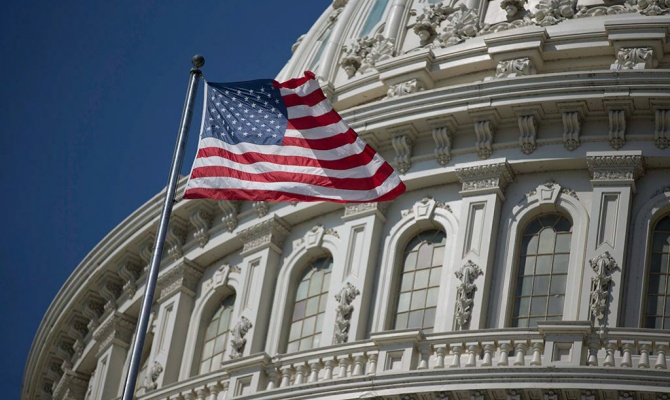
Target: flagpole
{"type": "Point", "coordinates": [177, 157]}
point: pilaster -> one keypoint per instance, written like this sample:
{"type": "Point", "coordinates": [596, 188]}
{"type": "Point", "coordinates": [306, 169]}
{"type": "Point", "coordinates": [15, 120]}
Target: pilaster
{"type": "Point", "coordinates": [362, 228]}
{"type": "Point", "coordinates": [260, 266]}
{"type": "Point", "coordinates": [176, 288]}
{"type": "Point", "coordinates": [484, 183]}
{"type": "Point", "coordinates": [613, 176]}
{"type": "Point", "coordinates": [114, 337]}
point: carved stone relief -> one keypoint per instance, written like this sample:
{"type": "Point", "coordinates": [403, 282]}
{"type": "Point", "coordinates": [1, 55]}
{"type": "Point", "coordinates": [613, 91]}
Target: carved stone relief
{"type": "Point", "coordinates": [485, 130]}
{"type": "Point", "coordinates": [513, 68]}
{"type": "Point", "coordinates": [238, 341]}
{"type": "Point", "coordinates": [201, 219]}
{"type": "Point", "coordinates": [635, 58]}
{"type": "Point", "coordinates": [467, 274]}
{"type": "Point", "coordinates": [527, 133]}
{"type": "Point", "coordinates": [402, 144]}
{"type": "Point", "coordinates": [625, 167]}
{"type": "Point", "coordinates": [551, 12]}
{"type": "Point", "coordinates": [183, 277]}
{"type": "Point", "coordinates": [130, 271]}
{"type": "Point", "coordinates": [662, 131]}
{"type": "Point", "coordinates": [271, 232]}
{"type": "Point", "coordinates": [362, 55]}
{"type": "Point", "coordinates": [176, 238]}
{"type": "Point", "coordinates": [485, 176]}
{"type": "Point", "coordinates": [617, 132]}
{"type": "Point", "coordinates": [230, 210]}
{"type": "Point", "coordinates": [151, 379]}
{"type": "Point", "coordinates": [603, 265]}
{"type": "Point", "coordinates": [405, 88]}
{"type": "Point", "coordinates": [442, 137]}
{"type": "Point", "coordinates": [572, 125]}
{"type": "Point", "coordinates": [343, 311]}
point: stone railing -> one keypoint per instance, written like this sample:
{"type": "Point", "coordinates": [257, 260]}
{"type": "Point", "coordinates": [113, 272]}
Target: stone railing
{"type": "Point", "coordinates": [491, 356]}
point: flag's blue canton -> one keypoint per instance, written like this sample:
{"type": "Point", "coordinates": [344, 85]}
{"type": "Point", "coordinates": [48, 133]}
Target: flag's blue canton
{"type": "Point", "coordinates": [250, 111]}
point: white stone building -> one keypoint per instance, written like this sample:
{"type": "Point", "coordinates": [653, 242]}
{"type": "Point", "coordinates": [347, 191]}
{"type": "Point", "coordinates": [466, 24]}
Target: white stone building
{"type": "Point", "coordinates": [528, 260]}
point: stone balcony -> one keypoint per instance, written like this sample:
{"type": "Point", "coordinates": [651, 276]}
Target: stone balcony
{"type": "Point", "coordinates": [561, 359]}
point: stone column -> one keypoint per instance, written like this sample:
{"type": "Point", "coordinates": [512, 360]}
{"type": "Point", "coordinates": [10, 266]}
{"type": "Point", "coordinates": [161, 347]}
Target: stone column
{"type": "Point", "coordinates": [113, 337]}
{"type": "Point", "coordinates": [395, 19]}
{"type": "Point", "coordinates": [176, 292]}
{"type": "Point", "coordinates": [613, 176]}
{"type": "Point", "coordinates": [362, 228]}
{"type": "Point", "coordinates": [259, 268]}
{"type": "Point", "coordinates": [483, 185]}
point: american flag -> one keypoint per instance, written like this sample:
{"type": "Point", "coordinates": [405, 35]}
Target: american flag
{"type": "Point", "coordinates": [271, 141]}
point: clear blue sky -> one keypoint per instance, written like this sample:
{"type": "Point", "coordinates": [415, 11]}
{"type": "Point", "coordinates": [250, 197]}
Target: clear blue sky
{"type": "Point", "coordinates": [92, 93]}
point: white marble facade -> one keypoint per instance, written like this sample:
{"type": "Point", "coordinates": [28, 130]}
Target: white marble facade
{"type": "Point", "coordinates": [528, 259]}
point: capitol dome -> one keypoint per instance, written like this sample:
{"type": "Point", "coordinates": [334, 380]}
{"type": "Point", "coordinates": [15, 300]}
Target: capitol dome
{"type": "Point", "coordinates": [529, 258]}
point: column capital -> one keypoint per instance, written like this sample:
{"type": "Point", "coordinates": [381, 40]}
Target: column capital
{"type": "Point", "coordinates": [615, 168]}
{"type": "Point", "coordinates": [183, 277]}
{"type": "Point", "coordinates": [116, 329]}
{"type": "Point", "coordinates": [483, 177]}
{"type": "Point", "coordinates": [269, 233]}
{"type": "Point", "coordinates": [360, 210]}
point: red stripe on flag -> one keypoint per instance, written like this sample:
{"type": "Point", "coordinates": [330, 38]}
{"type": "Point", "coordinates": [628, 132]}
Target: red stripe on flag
{"type": "Point", "coordinates": [316, 121]}
{"type": "Point", "coordinates": [328, 143]}
{"type": "Point", "coordinates": [312, 99]}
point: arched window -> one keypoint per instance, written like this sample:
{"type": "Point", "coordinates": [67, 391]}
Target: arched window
{"type": "Point", "coordinates": [542, 271]}
{"type": "Point", "coordinates": [420, 281]}
{"type": "Point", "coordinates": [657, 314]}
{"type": "Point", "coordinates": [216, 336]}
{"type": "Point", "coordinates": [309, 307]}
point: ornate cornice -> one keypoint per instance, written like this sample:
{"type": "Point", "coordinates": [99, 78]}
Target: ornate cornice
{"type": "Point", "coordinates": [116, 329]}
{"type": "Point", "coordinates": [72, 385]}
{"type": "Point", "coordinates": [183, 277]}
{"type": "Point", "coordinates": [271, 232]}
{"type": "Point", "coordinates": [615, 168]}
{"type": "Point", "coordinates": [484, 176]}
{"type": "Point", "coordinates": [359, 210]}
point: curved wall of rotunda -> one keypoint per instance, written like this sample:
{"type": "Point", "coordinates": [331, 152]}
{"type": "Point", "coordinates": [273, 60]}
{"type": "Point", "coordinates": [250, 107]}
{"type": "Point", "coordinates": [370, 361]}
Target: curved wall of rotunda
{"type": "Point", "coordinates": [529, 258]}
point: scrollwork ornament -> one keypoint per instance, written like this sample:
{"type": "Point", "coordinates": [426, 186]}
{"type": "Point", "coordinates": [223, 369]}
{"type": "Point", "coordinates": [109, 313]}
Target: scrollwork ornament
{"type": "Point", "coordinates": [603, 265]}
{"type": "Point", "coordinates": [344, 310]}
{"type": "Point", "coordinates": [551, 12]}
{"type": "Point", "coordinates": [361, 56]}
{"type": "Point", "coordinates": [467, 274]}
{"type": "Point", "coordinates": [238, 342]}
{"type": "Point", "coordinates": [460, 25]}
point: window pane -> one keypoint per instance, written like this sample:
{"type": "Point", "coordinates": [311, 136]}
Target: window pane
{"type": "Point", "coordinates": [555, 305]}
{"type": "Point", "coordinates": [216, 335]}
{"type": "Point", "coordinates": [541, 286]}
{"type": "Point", "coordinates": [415, 319]}
{"type": "Point", "coordinates": [544, 264]}
{"type": "Point", "coordinates": [401, 321]}
{"type": "Point", "coordinates": [527, 265]}
{"type": "Point", "coordinates": [431, 297]}
{"type": "Point", "coordinates": [547, 241]}
{"type": "Point", "coordinates": [435, 276]}
{"type": "Point", "coordinates": [529, 245]}
{"type": "Point", "coordinates": [310, 304]}
{"type": "Point", "coordinates": [421, 279]}
{"type": "Point", "coordinates": [558, 284]}
{"type": "Point", "coordinates": [521, 307]}
{"type": "Point", "coordinates": [418, 300]}
{"type": "Point", "coordinates": [524, 286]}
{"type": "Point", "coordinates": [438, 256]}
{"type": "Point", "coordinates": [429, 318]}
{"type": "Point", "coordinates": [561, 263]}
{"type": "Point", "coordinates": [407, 282]}
{"type": "Point", "coordinates": [538, 306]}
{"type": "Point", "coordinates": [410, 262]}
{"type": "Point", "coordinates": [403, 301]}
{"type": "Point", "coordinates": [425, 256]}
{"type": "Point", "coordinates": [563, 242]}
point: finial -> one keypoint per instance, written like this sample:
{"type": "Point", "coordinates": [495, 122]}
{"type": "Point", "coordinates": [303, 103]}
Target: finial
{"type": "Point", "coordinates": [198, 61]}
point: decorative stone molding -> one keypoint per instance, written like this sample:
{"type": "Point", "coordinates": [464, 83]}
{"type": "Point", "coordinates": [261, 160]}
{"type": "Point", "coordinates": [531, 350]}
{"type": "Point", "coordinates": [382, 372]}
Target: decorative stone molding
{"type": "Point", "coordinates": [513, 68]}
{"type": "Point", "coordinates": [72, 385]}
{"type": "Point", "coordinates": [551, 12]}
{"type": "Point", "coordinates": [459, 25]}
{"type": "Point", "coordinates": [110, 287]}
{"type": "Point", "coordinates": [615, 168]}
{"type": "Point", "coordinates": [359, 210]}
{"type": "Point", "coordinates": [78, 331]}
{"type": "Point", "coordinates": [146, 251]}
{"type": "Point", "coordinates": [598, 11]}
{"type": "Point", "coordinates": [662, 128]}
{"type": "Point", "coordinates": [402, 144]}
{"type": "Point", "coordinates": [314, 237]}
{"type": "Point", "coordinates": [603, 265]}
{"type": "Point", "coordinates": [201, 219]}
{"type": "Point", "coordinates": [230, 209]}
{"type": "Point", "coordinates": [151, 379]}
{"type": "Point", "coordinates": [484, 176]}
{"type": "Point", "coordinates": [548, 192]}
{"type": "Point", "coordinates": [527, 133]}
{"type": "Point", "coordinates": [94, 308]}
{"type": "Point", "coordinates": [130, 271]}
{"type": "Point", "coordinates": [572, 125]}
{"type": "Point", "coordinates": [617, 126]}
{"type": "Point", "coordinates": [465, 294]}
{"type": "Point", "coordinates": [428, 22]}
{"type": "Point", "coordinates": [116, 329]}
{"type": "Point", "coordinates": [261, 208]}
{"type": "Point", "coordinates": [176, 238]}
{"type": "Point", "coordinates": [362, 56]}
{"type": "Point", "coordinates": [271, 232]}
{"type": "Point", "coordinates": [442, 137]}
{"type": "Point", "coordinates": [343, 312]}
{"type": "Point", "coordinates": [651, 7]}
{"type": "Point", "coordinates": [485, 131]}
{"type": "Point", "coordinates": [634, 58]}
{"type": "Point", "coordinates": [299, 40]}
{"type": "Point", "coordinates": [404, 88]}
{"type": "Point", "coordinates": [514, 9]}
{"type": "Point", "coordinates": [238, 340]}
{"type": "Point", "coordinates": [425, 209]}
{"type": "Point", "coordinates": [183, 277]}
